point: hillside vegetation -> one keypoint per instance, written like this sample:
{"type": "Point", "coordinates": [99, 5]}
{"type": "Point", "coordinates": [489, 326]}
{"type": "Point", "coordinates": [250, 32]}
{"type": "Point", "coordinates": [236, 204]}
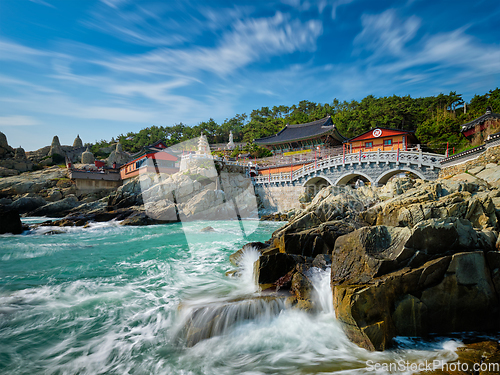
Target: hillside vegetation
{"type": "Point", "coordinates": [436, 121]}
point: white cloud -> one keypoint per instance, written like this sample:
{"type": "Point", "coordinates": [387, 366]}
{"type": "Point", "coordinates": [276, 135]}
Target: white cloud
{"type": "Point", "coordinates": [249, 41]}
{"type": "Point", "coordinates": [16, 52]}
{"type": "Point", "coordinates": [385, 33]}
{"type": "Point", "coordinates": [17, 121]}
{"type": "Point", "coordinates": [320, 4]}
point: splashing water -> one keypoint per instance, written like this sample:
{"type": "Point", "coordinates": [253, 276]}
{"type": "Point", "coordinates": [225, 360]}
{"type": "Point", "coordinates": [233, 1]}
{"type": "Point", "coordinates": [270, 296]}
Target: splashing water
{"type": "Point", "coordinates": [321, 282]}
{"type": "Point", "coordinates": [248, 271]}
{"type": "Point", "coordinates": [105, 300]}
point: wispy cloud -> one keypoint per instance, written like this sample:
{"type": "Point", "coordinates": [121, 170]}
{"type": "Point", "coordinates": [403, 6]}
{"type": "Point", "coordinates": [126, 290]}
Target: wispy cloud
{"type": "Point", "coordinates": [320, 5]}
{"type": "Point", "coordinates": [386, 33]}
{"type": "Point", "coordinates": [17, 121]}
{"type": "Point", "coordinates": [249, 41]}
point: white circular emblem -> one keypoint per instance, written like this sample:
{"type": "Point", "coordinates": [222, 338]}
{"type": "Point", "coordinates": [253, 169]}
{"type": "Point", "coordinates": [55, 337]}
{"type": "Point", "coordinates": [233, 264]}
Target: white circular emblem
{"type": "Point", "coordinates": [377, 133]}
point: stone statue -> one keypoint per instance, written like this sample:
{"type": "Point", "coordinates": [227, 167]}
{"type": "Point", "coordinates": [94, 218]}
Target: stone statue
{"type": "Point", "coordinates": [78, 142]}
{"type": "Point", "coordinates": [230, 145]}
{"type": "Point", "coordinates": [88, 157]}
{"type": "Point", "coordinates": [19, 153]}
{"type": "Point", "coordinates": [55, 147]}
{"type": "Point", "coordinates": [117, 156]}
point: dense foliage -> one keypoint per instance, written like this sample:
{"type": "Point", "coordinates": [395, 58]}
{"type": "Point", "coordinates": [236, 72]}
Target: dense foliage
{"type": "Point", "coordinates": [435, 119]}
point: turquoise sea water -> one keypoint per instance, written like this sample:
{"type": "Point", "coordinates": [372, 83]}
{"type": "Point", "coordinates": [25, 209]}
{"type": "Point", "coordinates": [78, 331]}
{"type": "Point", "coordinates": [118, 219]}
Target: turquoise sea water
{"type": "Point", "coordinates": [110, 299]}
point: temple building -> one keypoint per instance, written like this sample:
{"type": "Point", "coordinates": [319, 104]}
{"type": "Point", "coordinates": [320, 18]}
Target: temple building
{"type": "Point", "coordinates": [488, 120]}
{"type": "Point", "coordinates": [382, 139]}
{"type": "Point", "coordinates": [303, 136]}
{"type": "Point", "coordinates": [154, 159]}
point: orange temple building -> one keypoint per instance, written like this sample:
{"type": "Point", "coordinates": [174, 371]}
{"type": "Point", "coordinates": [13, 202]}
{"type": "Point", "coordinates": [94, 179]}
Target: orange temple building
{"type": "Point", "coordinates": [382, 139]}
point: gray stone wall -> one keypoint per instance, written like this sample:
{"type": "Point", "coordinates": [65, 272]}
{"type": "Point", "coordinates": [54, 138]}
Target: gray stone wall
{"type": "Point", "coordinates": [278, 198]}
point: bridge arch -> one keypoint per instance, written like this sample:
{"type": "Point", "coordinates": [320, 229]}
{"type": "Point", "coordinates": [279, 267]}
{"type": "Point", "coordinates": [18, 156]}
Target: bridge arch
{"type": "Point", "coordinates": [384, 177]}
{"type": "Point", "coordinates": [313, 185]}
{"type": "Point", "coordinates": [344, 179]}
{"type": "Point", "coordinates": [318, 180]}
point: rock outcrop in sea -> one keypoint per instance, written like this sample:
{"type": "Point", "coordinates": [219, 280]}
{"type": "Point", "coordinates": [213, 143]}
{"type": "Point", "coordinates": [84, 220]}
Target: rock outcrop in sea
{"type": "Point", "coordinates": [409, 259]}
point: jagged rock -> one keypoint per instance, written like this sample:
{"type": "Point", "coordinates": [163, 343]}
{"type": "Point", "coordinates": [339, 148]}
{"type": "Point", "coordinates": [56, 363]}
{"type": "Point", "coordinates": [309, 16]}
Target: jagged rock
{"type": "Point", "coordinates": [390, 281]}
{"type": "Point", "coordinates": [311, 242]}
{"type": "Point", "coordinates": [3, 141]}
{"type": "Point", "coordinates": [59, 208]}
{"type": "Point", "coordinates": [273, 267]}
{"type": "Point", "coordinates": [322, 261]}
{"type": "Point", "coordinates": [27, 204]}
{"type": "Point", "coordinates": [6, 172]}
{"type": "Point", "coordinates": [490, 174]}
{"type": "Point", "coordinates": [10, 222]}
{"type": "Point", "coordinates": [54, 195]}
{"type": "Point", "coordinates": [369, 252]}
{"type": "Point", "coordinates": [139, 219]}
{"type": "Point", "coordinates": [301, 287]}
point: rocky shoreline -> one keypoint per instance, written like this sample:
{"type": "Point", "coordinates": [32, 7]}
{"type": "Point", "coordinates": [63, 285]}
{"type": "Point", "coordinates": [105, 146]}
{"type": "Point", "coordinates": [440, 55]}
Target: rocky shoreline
{"type": "Point", "coordinates": [412, 258]}
{"type": "Point", "coordinates": [198, 193]}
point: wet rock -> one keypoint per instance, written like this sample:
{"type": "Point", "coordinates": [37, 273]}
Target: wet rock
{"type": "Point", "coordinates": [139, 219]}
{"type": "Point", "coordinates": [236, 257]}
{"type": "Point", "coordinates": [314, 241]}
{"type": "Point", "coordinates": [27, 204]}
{"type": "Point", "coordinates": [449, 294]}
{"type": "Point", "coordinates": [59, 208]}
{"type": "Point", "coordinates": [369, 252]}
{"type": "Point", "coordinates": [218, 318]}
{"type": "Point", "coordinates": [479, 358]}
{"type": "Point", "coordinates": [10, 222]}
{"type": "Point", "coordinates": [273, 267]}
{"type": "Point", "coordinates": [207, 229]}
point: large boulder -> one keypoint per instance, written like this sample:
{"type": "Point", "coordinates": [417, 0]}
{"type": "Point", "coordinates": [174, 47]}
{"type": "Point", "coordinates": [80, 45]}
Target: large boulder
{"type": "Point", "coordinates": [434, 278]}
{"type": "Point", "coordinates": [274, 266]}
{"type": "Point", "coordinates": [58, 209]}
{"type": "Point", "coordinates": [10, 222]}
{"type": "Point", "coordinates": [27, 204]}
{"type": "Point", "coordinates": [314, 241]}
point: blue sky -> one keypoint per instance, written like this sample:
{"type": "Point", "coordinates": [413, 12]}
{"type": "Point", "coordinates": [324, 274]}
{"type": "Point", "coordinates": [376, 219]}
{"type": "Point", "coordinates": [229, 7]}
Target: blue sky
{"type": "Point", "coordinates": [104, 67]}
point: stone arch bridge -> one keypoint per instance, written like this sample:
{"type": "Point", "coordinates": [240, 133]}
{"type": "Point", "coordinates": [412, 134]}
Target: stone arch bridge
{"type": "Point", "coordinates": [376, 167]}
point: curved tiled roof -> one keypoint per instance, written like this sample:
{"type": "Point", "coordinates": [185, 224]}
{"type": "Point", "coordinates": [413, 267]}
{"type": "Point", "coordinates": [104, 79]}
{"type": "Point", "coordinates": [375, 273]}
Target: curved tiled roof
{"type": "Point", "coordinates": [298, 132]}
{"type": "Point", "coordinates": [487, 116]}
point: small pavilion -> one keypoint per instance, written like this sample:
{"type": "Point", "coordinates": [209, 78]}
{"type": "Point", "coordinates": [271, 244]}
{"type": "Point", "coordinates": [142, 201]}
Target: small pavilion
{"type": "Point", "coordinates": [478, 125]}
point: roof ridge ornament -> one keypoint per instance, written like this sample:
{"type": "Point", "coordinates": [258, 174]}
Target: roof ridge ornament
{"type": "Point", "coordinates": [489, 110]}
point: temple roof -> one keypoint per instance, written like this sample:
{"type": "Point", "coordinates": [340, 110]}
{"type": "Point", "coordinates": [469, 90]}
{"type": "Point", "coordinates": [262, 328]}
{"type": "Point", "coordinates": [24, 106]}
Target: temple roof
{"type": "Point", "coordinates": [487, 116]}
{"type": "Point", "coordinates": [298, 132]}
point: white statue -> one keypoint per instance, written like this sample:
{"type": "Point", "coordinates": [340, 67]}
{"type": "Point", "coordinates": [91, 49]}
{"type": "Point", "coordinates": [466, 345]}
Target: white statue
{"type": "Point", "coordinates": [230, 145]}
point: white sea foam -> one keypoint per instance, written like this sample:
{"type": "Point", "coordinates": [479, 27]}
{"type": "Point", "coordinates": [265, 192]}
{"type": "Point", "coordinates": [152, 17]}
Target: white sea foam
{"type": "Point", "coordinates": [102, 303]}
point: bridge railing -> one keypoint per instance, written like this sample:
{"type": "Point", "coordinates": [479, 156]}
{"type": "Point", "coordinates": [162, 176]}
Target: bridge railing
{"type": "Point", "coordinates": [418, 158]}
